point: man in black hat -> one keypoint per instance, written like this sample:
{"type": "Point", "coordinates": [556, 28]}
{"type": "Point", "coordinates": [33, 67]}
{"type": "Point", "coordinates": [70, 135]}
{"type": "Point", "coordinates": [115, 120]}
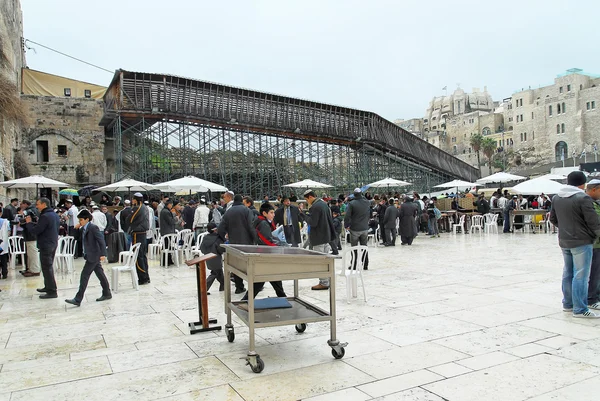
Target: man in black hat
{"type": "Point", "coordinates": [188, 214]}
{"type": "Point", "coordinates": [290, 218]}
{"type": "Point", "coordinates": [578, 228]}
{"type": "Point", "coordinates": [138, 227]}
{"type": "Point", "coordinates": [94, 253]}
{"type": "Point", "coordinates": [212, 244]}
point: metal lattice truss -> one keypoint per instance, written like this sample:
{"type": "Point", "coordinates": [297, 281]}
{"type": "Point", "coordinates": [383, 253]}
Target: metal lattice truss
{"type": "Point", "coordinates": [166, 127]}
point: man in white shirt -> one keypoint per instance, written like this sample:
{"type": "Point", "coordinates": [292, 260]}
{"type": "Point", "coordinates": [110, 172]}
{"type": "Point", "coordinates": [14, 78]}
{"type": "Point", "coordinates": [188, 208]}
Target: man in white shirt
{"type": "Point", "coordinates": [502, 202]}
{"type": "Point", "coordinates": [99, 218]}
{"type": "Point", "coordinates": [201, 217]}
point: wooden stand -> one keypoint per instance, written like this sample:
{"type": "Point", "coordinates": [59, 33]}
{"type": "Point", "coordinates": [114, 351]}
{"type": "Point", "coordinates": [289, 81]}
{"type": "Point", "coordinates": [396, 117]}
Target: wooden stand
{"type": "Point", "coordinates": [203, 319]}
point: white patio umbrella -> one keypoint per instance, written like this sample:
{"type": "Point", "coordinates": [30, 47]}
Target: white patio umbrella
{"type": "Point", "coordinates": [456, 183]}
{"type": "Point", "coordinates": [389, 182]}
{"type": "Point", "coordinates": [500, 177]}
{"type": "Point", "coordinates": [537, 186]}
{"type": "Point", "coordinates": [34, 181]}
{"type": "Point", "coordinates": [552, 176]}
{"type": "Point", "coordinates": [191, 184]}
{"type": "Point", "coordinates": [307, 184]}
{"type": "Point", "coordinates": [127, 185]}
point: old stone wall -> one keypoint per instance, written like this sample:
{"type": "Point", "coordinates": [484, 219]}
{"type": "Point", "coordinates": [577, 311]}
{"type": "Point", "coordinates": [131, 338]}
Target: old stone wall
{"type": "Point", "coordinates": [64, 140]}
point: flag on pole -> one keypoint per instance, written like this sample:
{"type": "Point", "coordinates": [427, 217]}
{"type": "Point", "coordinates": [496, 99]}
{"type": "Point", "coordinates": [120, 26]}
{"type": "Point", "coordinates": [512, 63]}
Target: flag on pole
{"type": "Point", "coordinates": [595, 148]}
{"type": "Point", "coordinates": [582, 153]}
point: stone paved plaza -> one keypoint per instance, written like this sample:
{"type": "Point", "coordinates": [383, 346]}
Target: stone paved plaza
{"type": "Point", "coordinates": [464, 317]}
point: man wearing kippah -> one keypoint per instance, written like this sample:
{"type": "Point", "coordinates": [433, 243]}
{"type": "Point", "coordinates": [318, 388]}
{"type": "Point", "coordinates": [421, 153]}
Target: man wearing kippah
{"type": "Point", "coordinates": [578, 228]}
{"type": "Point", "coordinates": [138, 227]}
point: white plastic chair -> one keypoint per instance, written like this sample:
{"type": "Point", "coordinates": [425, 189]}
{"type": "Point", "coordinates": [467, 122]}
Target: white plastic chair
{"type": "Point", "coordinates": [477, 224]}
{"type": "Point", "coordinates": [374, 237]}
{"type": "Point", "coordinates": [196, 248]}
{"type": "Point", "coordinates": [460, 224]}
{"type": "Point", "coordinates": [353, 263]}
{"type": "Point", "coordinates": [16, 246]}
{"type": "Point", "coordinates": [490, 222]}
{"type": "Point", "coordinates": [155, 247]}
{"type": "Point", "coordinates": [169, 246]}
{"type": "Point", "coordinates": [65, 254]}
{"type": "Point", "coordinates": [186, 248]}
{"type": "Point", "coordinates": [128, 266]}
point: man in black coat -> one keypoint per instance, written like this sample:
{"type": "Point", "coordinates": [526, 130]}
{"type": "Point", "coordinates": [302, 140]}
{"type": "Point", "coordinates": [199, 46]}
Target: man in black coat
{"type": "Point", "coordinates": [189, 211]}
{"type": "Point", "coordinates": [322, 231]}
{"type": "Point", "coordinates": [290, 218]}
{"type": "Point", "coordinates": [94, 253]}
{"type": "Point", "coordinates": [408, 213]}
{"type": "Point", "coordinates": [166, 220]}
{"type": "Point", "coordinates": [236, 224]}
{"type": "Point", "coordinates": [46, 231]}
{"type": "Point", "coordinates": [139, 224]}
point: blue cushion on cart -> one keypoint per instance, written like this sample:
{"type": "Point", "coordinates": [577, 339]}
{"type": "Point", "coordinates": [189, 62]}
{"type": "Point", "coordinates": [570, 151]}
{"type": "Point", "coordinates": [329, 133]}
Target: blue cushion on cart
{"type": "Point", "coordinates": [271, 303]}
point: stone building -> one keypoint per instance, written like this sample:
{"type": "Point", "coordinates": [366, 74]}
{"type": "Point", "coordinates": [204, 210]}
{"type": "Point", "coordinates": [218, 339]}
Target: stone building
{"type": "Point", "coordinates": [532, 128]}
{"type": "Point", "coordinates": [64, 140]}
{"type": "Point", "coordinates": [13, 57]}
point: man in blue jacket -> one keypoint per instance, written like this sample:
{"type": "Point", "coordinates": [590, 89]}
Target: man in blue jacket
{"type": "Point", "coordinates": [94, 252]}
{"type": "Point", "coordinates": [46, 231]}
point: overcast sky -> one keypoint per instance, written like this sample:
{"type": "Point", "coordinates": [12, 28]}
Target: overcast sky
{"type": "Point", "coordinates": [389, 57]}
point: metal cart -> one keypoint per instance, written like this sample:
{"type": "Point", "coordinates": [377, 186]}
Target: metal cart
{"type": "Point", "coordinates": [264, 263]}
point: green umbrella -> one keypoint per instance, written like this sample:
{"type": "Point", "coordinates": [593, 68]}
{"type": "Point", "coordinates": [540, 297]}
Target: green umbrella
{"type": "Point", "coordinates": [69, 191]}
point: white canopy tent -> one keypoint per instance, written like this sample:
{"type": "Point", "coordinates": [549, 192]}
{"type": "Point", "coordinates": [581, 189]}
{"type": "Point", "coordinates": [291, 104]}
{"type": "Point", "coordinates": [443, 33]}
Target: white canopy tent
{"type": "Point", "coordinates": [552, 176]}
{"type": "Point", "coordinates": [500, 177]}
{"type": "Point", "coordinates": [307, 184]}
{"type": "Point", "coordinates": [456, 183]}
{"type": "Point", "coordinates": [191, 184]}
{"type": "Point", "coordinates": [537, 186]}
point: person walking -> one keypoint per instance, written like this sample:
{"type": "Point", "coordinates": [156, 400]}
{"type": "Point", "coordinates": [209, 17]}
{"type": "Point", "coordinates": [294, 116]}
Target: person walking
{"type": "Point", "coordinates": [94, 253]}
{"type": "Point", "coordinates": [32, 253]}
{"type": "Point", "coordinates": [46, 231]}
{"type": "Point", "coordinates": [389, 223]}
{"type": "Point", "coordinates": [578, 228]}
{"type": "Point", "coordinates": [407, 213]}
{"type": "Point", "coordinates": [321, 229]}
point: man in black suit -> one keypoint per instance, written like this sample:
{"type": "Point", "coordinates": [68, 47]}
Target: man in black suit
{"type": "Point", "coordinates": [289, 217]}
{"type": "Point", "coordinates": [94, 252]}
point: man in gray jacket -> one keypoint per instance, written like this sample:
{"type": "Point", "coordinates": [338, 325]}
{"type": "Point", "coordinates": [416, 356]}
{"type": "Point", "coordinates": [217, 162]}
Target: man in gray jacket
{"type": "Point", "coordinates": [357, 221]}
{"type": "Point", "coordinates": [578, 227]}
{"type": "Point", "coordinates": [389, 222]}
{"type": "Point", "coordinates": [321, 230]}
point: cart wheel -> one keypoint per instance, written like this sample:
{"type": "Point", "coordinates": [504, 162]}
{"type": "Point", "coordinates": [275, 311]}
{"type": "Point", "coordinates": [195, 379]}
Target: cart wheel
{"type": "Point", "coordinates": [230, 335]}
{"type": "Point", "coordinates": [301, 328]}
{"type": "Point", "coordinates": [338, 355]}
{"type": "Point", "coordinates": [260, 365]}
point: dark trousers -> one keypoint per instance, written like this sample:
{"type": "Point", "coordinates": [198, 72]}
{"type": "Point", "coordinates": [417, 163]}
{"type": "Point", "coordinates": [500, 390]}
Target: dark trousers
{"type": "Point", "coordinates": [289, 235]}
{"type": "Point", "coordinates": [407, 240]}
{"type": "Point", "coordinates": [4, 265]}
{"type": "Point", "coordinates": [391, 234]}
{"type": "Point", "coordinates": [46, 260]}
{"type": "Point", "coordinates": [277, 286]}
{"type": "Point", "coordinates": [89, 268]}
{"type": "Point", "coordinates": [142, 260]}
{"type": "Point", "coordinates": [77, 235]}
{"type": "Point", "coordinates": [382, 234]}
{"type": "Point", "coordinates": [506, 222]}
{"type": "Point", "coordinates": [216, 274]}
{"type": "Point", "coordinates": [594, 285]}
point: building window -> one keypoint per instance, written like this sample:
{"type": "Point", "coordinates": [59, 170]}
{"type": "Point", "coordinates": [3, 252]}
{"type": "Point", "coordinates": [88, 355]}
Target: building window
{"type": "Point", "coordinates": [87, 93]}
{"type": "Point", "coordinates": [587, 105]}
{"type": "Point", "coordinates": [580, 86]}
{"type": "Point", "coordinates": [453, 139]}
{"type": "Point", "coordinates": [558, 108]}
{"type": "Point", "coordinates": [510, 119]}
{"type": "Point", "coordinates": [561, 151]}
{"type": "Point", "coordinates": [568, 88]}
{"type": "Point", "coordinates": [532, 115]}
{"type": "Point", "coordinates": [564, 108]}
{"type": "Point", "coordinates": [558, 128]}
{"type": "Point", "coordinates": [67, 92]}
{"type": "Point", "coordinates": [486, 131]}
{"type": "Point", "coordinates": [560, 90]}
{"type": "Point", "coordinates": [562, 128]}
{"type": "Point", "coordinates": [42, 151]}
{"type": "Point", "coordinates": [521, 117]}
{"type": "Point", "coordinates": [550, 110]}
{"type": "Point", "coordinates": [525, 137]}
{"type": "Point", "coordinates": [533, 135]}
{"type": "Point", "coordinates": [593, 104]}
{"type": "Point", "coordinates": [521, 137]}
{"type": "Point", "coordinates": [62, 150]}
{"type": "Point", "coordinates": [455, 149]}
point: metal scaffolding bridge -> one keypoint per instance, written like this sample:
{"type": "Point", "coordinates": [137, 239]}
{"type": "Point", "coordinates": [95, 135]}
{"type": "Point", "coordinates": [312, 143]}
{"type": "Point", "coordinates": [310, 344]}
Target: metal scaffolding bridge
{"type": "Point", "coordinates": [166, 127]}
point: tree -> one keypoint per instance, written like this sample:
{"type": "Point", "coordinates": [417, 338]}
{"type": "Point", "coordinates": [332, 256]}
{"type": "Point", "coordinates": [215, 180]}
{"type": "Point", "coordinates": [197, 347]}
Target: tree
{"type": "Point", "coordinates": [489, 148]}
{"type": "Point", "coordinates": [476, 141]}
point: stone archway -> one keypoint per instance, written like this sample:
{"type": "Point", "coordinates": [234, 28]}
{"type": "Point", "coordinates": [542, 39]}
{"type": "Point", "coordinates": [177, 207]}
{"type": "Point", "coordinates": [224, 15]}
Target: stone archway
{"type": "Point", "coordinates": [561, 151]}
